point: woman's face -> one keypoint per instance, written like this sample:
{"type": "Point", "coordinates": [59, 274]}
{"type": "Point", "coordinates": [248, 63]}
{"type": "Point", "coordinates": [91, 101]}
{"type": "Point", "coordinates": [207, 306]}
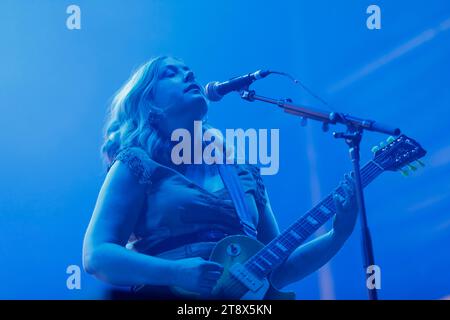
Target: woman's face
{"type": "Point", "coordinates": [179, 95]}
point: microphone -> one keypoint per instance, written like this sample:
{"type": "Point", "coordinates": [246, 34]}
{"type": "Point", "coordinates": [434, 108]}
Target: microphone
{"type": "Point", "coordinates": [216, 90]}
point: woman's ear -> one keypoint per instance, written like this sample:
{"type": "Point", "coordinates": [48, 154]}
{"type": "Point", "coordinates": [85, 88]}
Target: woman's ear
{"type": "Point", "coordinates": [155, 117]}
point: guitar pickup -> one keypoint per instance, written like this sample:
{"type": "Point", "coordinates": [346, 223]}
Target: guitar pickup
{"type": "Point", "coordinates": [247, 278]}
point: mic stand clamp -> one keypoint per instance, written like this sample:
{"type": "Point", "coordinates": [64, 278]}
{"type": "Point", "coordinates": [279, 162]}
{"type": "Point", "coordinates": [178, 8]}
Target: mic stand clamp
{"type": "Point", "coordinates": [247, 94]}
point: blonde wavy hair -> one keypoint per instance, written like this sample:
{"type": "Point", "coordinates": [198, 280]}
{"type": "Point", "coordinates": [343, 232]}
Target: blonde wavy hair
{"type": "Point", "coordinates": [132, 119]}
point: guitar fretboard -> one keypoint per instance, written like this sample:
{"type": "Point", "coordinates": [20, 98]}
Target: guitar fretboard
{"type": "Point", "coordinates": [273, 254]}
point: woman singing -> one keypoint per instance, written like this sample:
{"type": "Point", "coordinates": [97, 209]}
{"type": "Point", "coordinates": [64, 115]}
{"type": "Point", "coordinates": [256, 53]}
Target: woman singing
{"type": "Point", "coordinates": [155, 223]}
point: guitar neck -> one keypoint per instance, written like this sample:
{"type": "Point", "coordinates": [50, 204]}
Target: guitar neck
{"type": "Point", "coordinates": [273, 254]}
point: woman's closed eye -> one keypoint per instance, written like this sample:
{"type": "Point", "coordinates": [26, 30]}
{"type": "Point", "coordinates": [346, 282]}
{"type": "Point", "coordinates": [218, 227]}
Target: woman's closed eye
{"type": "Point", "coordinates": [168, 73]}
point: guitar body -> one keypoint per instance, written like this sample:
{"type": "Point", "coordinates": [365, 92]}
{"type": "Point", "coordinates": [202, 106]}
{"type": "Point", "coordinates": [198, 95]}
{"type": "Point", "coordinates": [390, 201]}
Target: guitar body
{"type": "Point", "coordinates": [238, 249]}
{"type": "Point", "coordinates": [228, 252]}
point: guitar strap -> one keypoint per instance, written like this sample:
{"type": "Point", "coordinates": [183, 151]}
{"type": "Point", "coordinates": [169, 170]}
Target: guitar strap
{"type": "Point", "coordinates": [234, 187]}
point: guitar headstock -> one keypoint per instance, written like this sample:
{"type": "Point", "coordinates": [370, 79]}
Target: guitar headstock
{"type": "Point", "coordinates": [399, 154]}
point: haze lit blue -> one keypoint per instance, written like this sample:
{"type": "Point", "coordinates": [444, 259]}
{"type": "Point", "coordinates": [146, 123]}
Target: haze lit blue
{"type": "Point", "coordinates": [55, 86]}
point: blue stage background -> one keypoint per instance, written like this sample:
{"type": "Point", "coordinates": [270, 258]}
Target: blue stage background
{"type": "Point", "coordinates": [56, 85]}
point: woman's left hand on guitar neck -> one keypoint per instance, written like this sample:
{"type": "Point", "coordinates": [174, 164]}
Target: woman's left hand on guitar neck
{"type": "Point", "coordinates": [346, 209]}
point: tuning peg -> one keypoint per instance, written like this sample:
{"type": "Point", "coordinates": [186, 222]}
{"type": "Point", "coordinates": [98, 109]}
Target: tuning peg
{"type": "Point", "coordinates": [420, 163]}
{"type": "Point", "coordinates": [390, 139]}
{"type": "Point", "coordinates": [382, 144]}
{"type": "Point", "coordinates": [413, 168]}
{"type": "Point", "coordinates": [375, 149]}
{"type": "Point", "coordinates": [404, 172]}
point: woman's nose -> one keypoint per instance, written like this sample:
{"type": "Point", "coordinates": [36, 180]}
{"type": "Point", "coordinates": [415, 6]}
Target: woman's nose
{"type": "Point", "coordinates": [189, 76]}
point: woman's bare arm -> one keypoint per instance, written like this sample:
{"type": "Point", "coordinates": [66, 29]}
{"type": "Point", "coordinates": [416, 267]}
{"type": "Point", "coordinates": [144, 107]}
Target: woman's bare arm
{"type": "Point", "coordinates": [120, 201]}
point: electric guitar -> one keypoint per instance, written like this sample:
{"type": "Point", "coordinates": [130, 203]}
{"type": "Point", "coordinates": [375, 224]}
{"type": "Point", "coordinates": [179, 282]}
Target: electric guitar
{"type": "Point", "coordinates": [248, 263]}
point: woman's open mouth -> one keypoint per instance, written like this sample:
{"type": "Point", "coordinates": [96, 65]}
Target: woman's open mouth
{"type": "Point", "coordinates": [192, 88]}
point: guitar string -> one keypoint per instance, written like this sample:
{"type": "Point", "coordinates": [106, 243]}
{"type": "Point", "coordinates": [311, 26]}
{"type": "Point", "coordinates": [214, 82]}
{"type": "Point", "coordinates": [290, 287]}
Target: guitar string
{"type": "Point", "coordinates": [304, 224]}
{"type": "Point", "coordinates": [366, 175]}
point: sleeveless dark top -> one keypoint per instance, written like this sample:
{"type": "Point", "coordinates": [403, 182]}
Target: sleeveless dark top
{"type": "Point", "coordinates": [179, 212]}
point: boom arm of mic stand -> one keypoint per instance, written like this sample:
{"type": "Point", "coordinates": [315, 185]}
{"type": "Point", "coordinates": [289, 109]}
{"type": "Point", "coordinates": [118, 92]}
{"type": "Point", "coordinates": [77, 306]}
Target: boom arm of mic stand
{"type": "Point", "coordinates": [320, 115]}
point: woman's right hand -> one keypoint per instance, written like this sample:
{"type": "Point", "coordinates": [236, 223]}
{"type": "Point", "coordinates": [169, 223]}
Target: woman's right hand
{"type": "Point", "coordinates": [197, 275]}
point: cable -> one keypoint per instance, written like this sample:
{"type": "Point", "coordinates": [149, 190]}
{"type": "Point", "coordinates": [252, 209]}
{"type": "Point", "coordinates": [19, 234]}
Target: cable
{"type": "Point", "coordinates": [309, 91]}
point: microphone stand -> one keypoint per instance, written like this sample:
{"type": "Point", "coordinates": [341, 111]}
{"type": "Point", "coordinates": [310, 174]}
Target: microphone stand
{"type": "Point", "coordinates": [353, 135]}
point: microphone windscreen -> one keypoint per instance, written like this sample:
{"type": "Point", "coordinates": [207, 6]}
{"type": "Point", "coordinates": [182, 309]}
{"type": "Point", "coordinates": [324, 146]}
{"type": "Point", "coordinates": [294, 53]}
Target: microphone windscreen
{"type": "Point", "coordinates": [211, 91]}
